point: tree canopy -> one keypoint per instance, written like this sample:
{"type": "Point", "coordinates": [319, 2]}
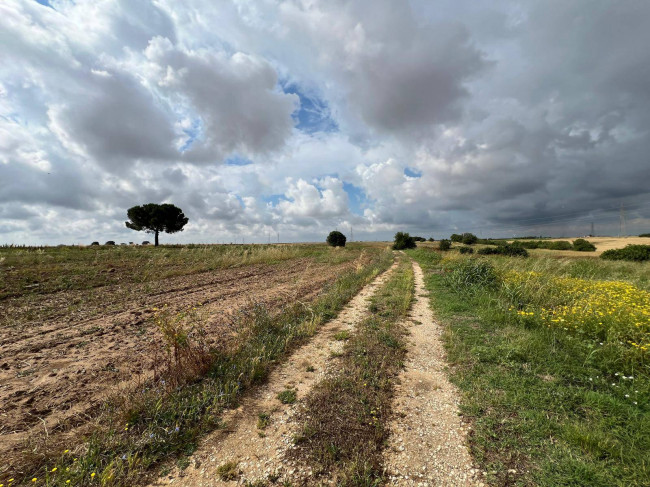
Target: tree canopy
{"type": "Point", "coordinates": [336, 239]}
{"type": "Point", "coordinates": [154, 218]}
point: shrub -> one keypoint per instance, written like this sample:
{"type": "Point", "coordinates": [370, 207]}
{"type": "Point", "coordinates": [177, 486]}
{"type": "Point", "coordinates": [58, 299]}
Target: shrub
{"type": "Point", "coordinates": [636, 253]}
{"type": "Point", "coordinates": [444, 244]}
{"type": "Point", "coordinates": [469, 239]}
{"type": "Point", "coordinates": [645, 235]}
{"type": "Point", "coordinates": [336, 239]}
{"type": "Point", "coordinates": [456, 237]}
{"type": "Point", "coordinates": [419, 239]}
{"type": "Point", "coordinates": [95, 243]}
{"type": "Point", "coordinates": [509, 250]}
{"type": "Point", "coordinates": [146, 242]}
{"type": "Point", "coordinates": [582, 245]}
{"type": "Point", "coordinates": [110, 242]}
{"type": "Point", "coordinates": [431, 239]}
{"type": "Point", "coordinates": [559, 245]}
{"type": "Point", "coordinates": [466, 250]}
{"type": "Point", "coordinates": [403, 241]}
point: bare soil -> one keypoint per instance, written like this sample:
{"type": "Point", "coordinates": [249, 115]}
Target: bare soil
{"type": "Point", "coordinates": [428, 440]}
{"type": "Point", "coordinates": [258, 453]}
{"type": "Point", "coordinates": [61, 358]}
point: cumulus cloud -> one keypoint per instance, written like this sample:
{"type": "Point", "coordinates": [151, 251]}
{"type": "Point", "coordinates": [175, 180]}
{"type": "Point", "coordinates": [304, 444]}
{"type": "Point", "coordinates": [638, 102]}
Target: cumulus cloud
{"type": "Point", "coordinates": [504, 117]}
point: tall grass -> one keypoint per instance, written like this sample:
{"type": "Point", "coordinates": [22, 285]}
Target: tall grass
{"type": "Point", "coordinates": [154, 422]}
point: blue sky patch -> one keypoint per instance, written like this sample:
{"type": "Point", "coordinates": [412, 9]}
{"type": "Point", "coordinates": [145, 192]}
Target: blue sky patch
{"type": "Point", "coordinates": [357, 198]}
{"type": "Point", "coordinates": [412, 173]}
{"type": "Point", "coordinates": [237, 160]}
{"type": "Point", "coordinates": [193, 133]}
{"type": "Point", "coordinates": [44, 2]}
{"type": "Point", "coordinates": [314, 114]}
{"type": "Point", "coordinates": [274, 199]}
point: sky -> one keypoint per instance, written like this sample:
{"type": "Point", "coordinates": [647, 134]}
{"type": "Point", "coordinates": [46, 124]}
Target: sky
{"type": "Point", "coordinates": [267, 119]}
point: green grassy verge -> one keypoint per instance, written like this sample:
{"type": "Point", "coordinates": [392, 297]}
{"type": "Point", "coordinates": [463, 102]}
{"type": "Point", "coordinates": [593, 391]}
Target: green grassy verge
{"type": "Point", "coordinates": [549, 406]}
{"type": "Point", "coordinates": [343, 426]}
{"type": "Point", "coordinates": [140, 430]}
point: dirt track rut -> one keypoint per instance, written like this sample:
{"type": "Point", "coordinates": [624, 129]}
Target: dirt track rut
{"type": "Point", "coordinates": [259, 453]}
{"type": "Point", "coordinates": [428, 440]}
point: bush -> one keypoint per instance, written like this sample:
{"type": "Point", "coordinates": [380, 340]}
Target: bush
{"type": "Point", "coordinates": [469, 239]}
{"type": "Point", "coordinates": [431, 239]}
{"type": "Point", "coordinates": [456, 237]}
{"type": "Point", "coordinates": [444, 244]}
{"type": "Point", "coordinates": [582, 245]}
{"type": "Point", "coordinates": [636, 253]}
{"type": "Point", "coordinates": [419, 239]}
{"type": "Point", "coordinates": [403, 241]}
{"type": "Point", "coordinates": [559, 245]}
{"type": "Point", "coordinates": [466, 250]}
{"type": "Point", "coordinates": [336, 239]}
{"type": "Point", "coordinates": [645, 235]}
{"type": "Point", "coordinates": [509, 250]}
{"type": "Point", "coordinates": [110, 242]}
{"type": "Point", "coordinates": [95, 243]}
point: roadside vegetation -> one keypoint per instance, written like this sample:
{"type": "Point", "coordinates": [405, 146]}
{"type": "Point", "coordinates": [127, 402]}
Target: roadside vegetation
{"type": "Point", "coordinates": [163, 417]}
{"type": "Point", "coordinates": [551, 357]}
{"type": "Point", "coordinates": [343, 424]}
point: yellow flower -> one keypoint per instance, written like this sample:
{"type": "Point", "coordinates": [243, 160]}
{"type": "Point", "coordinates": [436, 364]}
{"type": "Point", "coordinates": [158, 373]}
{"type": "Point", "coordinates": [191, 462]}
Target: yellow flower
{"type": "Point", "coordinates": [92, 475]}
{"type": "Point", "coordinates": [34, 479]}
{"type": "Point", "coordinates": [67, 481]}
{"type": "Point", "coordinates": [53, 470]}
{"type": "Point", "coordinates": [66, 451]}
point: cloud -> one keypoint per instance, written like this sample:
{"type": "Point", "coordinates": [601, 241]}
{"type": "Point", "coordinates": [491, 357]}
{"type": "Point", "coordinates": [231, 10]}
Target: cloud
{"type": "Point", "coordinates": [295, 116]}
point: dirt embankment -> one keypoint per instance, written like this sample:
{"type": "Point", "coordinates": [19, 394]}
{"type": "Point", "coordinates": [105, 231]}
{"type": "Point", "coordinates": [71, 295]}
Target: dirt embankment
{"type": "Point", "coordinates": [54, 371]}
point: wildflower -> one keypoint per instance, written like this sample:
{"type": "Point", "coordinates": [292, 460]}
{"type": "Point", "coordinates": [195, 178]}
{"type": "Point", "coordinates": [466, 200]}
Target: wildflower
{"type": "Point", "coordinates": [34, 479]}
{"type": "Point", "coordinates": [627, 395]}
{"type": "Point", "coordinates": [66, 451]}
{"type": "Point", "coordinates": [92, 475]}
{"type": "Point", "coordinates": [53, 470]}
{"type": "Point", "coordinates": [67, 481]}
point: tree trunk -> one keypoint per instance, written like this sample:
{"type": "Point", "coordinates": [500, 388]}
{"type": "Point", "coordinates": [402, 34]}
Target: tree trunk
{"type": "Point", "coordinates": [156, 238]}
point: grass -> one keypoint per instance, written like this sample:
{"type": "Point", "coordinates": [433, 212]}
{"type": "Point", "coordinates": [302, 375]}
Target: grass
{"type": "Point", "coordinates": [288, 396]}
{"type": "Point", "coordinates": [228, 471]}
{"type": "Point", "coordinates": [343, 426]}
{"type": "Point", "coordinates": [549, 406]}
{"type": "Point", "coordinates": [155, 422]}
{"type": "Point", "coordinates": [263, 420]}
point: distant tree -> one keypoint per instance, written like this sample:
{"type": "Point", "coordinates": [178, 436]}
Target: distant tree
{"type": "Point", "coordinates": [419, 239]}
{"type": "Point", "coordinates": [403, 241]}
{"type": "Point", "coordinates": [444, 244]}
{"type": "Point", "coordinates": [456, 237]}
{"type": "Point", "coordinates": [336, 239]}
{"type": "Point", "coordinates": [110, 242]}
{"type": "Point", "coordinates": [95, 243]}
{"type": "Point", "coordinates": [469, 238]}
{"type": "Point", "coordinates": [431, 239]}
{"type": "Point", "coordinates": [153, 218]}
